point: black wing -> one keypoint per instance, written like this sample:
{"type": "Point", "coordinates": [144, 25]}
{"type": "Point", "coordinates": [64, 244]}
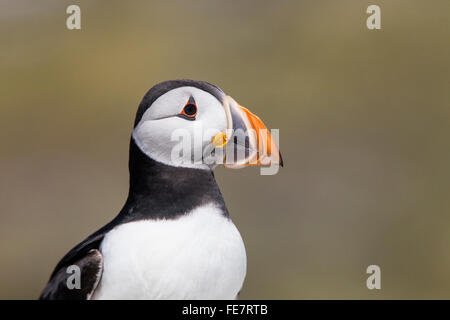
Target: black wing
{"type": "Point", "coordinates": [89, 259]}
{"type": "Point", "coordinates": [91, 268]}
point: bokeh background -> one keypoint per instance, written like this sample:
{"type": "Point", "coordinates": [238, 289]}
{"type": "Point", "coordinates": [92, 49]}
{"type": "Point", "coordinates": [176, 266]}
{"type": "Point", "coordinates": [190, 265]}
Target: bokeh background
{"type": "Point", "coordinates": [364, 119]}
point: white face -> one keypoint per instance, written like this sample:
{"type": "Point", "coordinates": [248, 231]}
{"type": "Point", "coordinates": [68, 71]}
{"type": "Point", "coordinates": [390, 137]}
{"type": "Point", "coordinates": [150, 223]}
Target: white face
{"type": "Point", "coordinates": [162, 133]}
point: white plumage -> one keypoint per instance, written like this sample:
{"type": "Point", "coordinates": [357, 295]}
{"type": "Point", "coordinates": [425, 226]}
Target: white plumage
{"type": "Point", "coordinates": [200, 255]}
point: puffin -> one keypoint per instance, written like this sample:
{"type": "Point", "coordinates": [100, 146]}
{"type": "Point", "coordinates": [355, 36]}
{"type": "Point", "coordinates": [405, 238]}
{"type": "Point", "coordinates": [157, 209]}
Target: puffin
{"type": "Point", "coordinates": [174, 237]}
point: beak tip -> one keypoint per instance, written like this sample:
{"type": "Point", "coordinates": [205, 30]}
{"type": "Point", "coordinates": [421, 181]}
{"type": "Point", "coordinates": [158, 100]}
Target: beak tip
{"type": "Point", "coordinates": [281, 160]}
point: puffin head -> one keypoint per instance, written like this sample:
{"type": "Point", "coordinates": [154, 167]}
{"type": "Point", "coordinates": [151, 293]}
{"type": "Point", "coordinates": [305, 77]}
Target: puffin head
{"type": "Point", "coordinates": [194, 124]}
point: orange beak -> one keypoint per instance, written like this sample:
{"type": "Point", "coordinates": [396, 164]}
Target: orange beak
{"type": "Point", "coordinates": [247, 141]}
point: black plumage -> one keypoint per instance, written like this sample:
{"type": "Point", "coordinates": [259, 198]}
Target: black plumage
{"type": "Point", "coordinates": [156, 191]}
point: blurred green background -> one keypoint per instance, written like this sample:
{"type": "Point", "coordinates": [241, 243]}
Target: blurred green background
{"type": "Point", "coordinates": [364, 119]}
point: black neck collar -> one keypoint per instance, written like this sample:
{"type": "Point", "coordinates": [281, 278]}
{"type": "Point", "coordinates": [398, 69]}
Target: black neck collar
{"type": "Point", "coordinates": [161, 191]}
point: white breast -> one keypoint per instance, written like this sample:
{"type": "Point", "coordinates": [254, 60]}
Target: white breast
{"type": "Point", "coordinates": [198, 256]}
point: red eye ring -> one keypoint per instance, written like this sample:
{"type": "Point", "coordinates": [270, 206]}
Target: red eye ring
{"type": "Point", "coordinates": [189, 110]}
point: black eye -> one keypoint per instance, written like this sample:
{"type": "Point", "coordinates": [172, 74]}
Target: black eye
{"type": "Point", "coordinates": [190, 110]}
